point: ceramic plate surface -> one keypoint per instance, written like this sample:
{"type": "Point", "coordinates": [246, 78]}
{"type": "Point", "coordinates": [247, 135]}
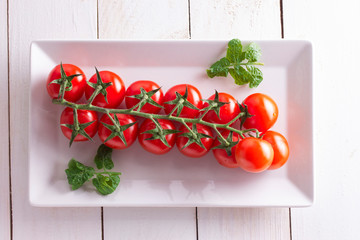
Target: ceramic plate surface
{"type": "Point", "coordinates": [173, 179]}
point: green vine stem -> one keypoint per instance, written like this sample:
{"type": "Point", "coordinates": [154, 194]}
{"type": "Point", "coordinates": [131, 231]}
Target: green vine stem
{"type": "Point", "coordinates": [107, 111]}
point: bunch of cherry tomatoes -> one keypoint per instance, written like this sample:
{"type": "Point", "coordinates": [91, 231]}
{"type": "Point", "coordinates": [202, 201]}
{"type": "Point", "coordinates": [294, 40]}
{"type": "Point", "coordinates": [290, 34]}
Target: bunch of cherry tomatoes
{"type": "Point", "coordinates": [252, 154]}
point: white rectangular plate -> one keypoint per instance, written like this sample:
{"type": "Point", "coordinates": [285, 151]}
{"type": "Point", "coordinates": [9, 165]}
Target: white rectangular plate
{"type": "Point", "coordinates": [173, 179]}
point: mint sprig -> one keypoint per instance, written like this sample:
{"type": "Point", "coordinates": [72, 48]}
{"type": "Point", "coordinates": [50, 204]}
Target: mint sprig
{"type": "Point", "coordinates": [105, 182]}
{"type": "Point", "coordinates": [77, 174]}
{"type": "Point", "coordinates": [103, 158]}
{"type": "Point", "coordinates": [240, 63]}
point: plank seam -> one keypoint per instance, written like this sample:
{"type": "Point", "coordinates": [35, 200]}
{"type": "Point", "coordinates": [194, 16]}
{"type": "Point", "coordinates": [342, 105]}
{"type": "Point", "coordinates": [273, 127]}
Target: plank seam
{"type": "Point", "coordinates": [282, 18]}
{"type": "Point", "coordinates": [189, 18]}
{"type": "Point", "coordinates": [9, 135]}
{"type": "Point", "coordinates": [97, 19]}
{"type": "Point", "coordinates": [197, 223]}
{"type": "Point", "coordinates": [290, 224]}
{"type": "Point", "coordinates": [102, 223]}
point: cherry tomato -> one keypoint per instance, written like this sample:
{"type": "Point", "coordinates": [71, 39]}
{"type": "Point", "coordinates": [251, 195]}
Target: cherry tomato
{"type": "Point", "coordinates": [194, 150]}
{"type": "Point", "coordinates": [254, 154]}
{"type": "Point", "coordinates": [194, 97]}
{"type": "Point", "coordinates": [156, 146]}
{"type": "Point", "coordinates": [115, 92]}
{"type": "Point", "coordinates": [130, 134]}
{"type": "Point", "coordinates": [78, 83]}
{"type": "Point", "coordinates": [221, 155]}
{"type": "Point", "coordinates": [227, 111]}
{"type": "Point", "coordinates": [84, 116]}
{"type": "Point", "coordinates": [148, 86]}
{"type": "Point", "coordinates": [264, 110]}
{"type": "Point", "coordinates": [280, 146]}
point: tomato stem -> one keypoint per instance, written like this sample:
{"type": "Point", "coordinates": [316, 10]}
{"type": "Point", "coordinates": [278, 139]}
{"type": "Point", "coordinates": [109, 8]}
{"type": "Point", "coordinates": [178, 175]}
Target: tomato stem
{"type": "Point", "coordinates": [94, 94]}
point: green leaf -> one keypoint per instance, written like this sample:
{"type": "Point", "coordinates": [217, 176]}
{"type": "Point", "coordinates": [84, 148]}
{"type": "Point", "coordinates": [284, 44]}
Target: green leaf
{"type": "Point", "coordinates": [256, 76]}
{"type": "Point", "coordinates": [253, 52]}
{"type": "Point", "coordinates": [235, 62]}
{"type": "Point", "coordinates": [219, 68]}
{"type": "Point", "coordinates": [234, 52]}
{"type": "Point", "coordinates": [106, 184]}
{"type": "Point", "coordinates": [103, 157]}
{"type": "Point", "coordinates": [240, 75]}
{"type": "Point", "coordinates": [77, 173]}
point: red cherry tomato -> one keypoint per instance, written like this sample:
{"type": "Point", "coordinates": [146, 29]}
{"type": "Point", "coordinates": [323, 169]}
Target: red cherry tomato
{"type": "Point", "coordinates": [254, 154]}
{"type": "Point", "coordinates": [264, 110]}
{"type": "Point", "coordinates": [194, 150]}
{"type": "Point", "coordinates": [221, 155]}
{"type": "Point", "coordinates": [156, 146]}
{"type": "Point", "coordinates": [78, 83]}
{"type": "Point", "coordinates": [280, 146]}
{"type": "Point", "coordinates": [148, 86]}
{"type": "Point", "coordinates": [194, 97]}
{"type": "Point", "coordinates": [84, 116]}
{"type": "Point", "coordinates": [227, 111]}
{"type": "Point", "coordinates": [130, 134]}
{"type": "Point", "coordinates": [115, 92]}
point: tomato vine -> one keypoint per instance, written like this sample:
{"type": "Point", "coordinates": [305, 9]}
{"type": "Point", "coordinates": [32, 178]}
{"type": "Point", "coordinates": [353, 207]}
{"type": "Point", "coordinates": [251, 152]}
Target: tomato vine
{"type": "Point", "coordinates": [145, 97]}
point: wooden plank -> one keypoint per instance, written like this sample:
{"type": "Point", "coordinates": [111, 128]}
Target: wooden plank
{"type": "Point", "coordinates": [219, 19]}
{"type": "Point", "coordinates": [149, 223]}
{"type": "Point", "coordinates": [239, 223]}
{"type": "Point", "coordinates": [31, 20]}
{"type": "Point", "coordinates": [161, 19]}
{"type": "Point", "coordinates": [334, 34]}
{"type": "Point", "coordinates": [5, 220]}
{"type": "Point", "coordinates": [226, 19]}
{"type": "Point", "coordinates": [151, 20]}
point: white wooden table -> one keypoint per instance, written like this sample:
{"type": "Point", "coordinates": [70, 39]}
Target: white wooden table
{"type": "Point", "coordinates": [331, 25]}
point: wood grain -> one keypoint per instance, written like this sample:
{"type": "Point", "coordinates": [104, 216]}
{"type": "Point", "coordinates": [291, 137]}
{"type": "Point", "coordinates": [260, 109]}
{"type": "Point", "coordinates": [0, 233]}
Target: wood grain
{"type": "Point", "coordinates": [149, 223]}
{"type": "Point", "coordinates": [162, 19]}
{"type": "Point", "coordinates": [32, 20]}
{"type": "Point", "coordinates": [333, 29]}
{"type": "Point", "coordinates": [5, 220]}
{"type": "Point", "coordinates": [219, 19]}
{"type": "Point", "coordinates": [127, 19]}
{"type": "Point", "coordinates": [226, 19]}
{"type": "Point", "coordinates": [238, 223]}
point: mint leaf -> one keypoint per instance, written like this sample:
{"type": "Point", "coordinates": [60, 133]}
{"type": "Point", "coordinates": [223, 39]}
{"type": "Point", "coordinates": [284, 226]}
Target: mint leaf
{"type": "Point", "coordinates": [77, 173]}
{"type": "Point", "coordinates": [253, 52]}
{"type": "Point", "coordinates": [235, 63]}
{"type": "Point", "coordinates": [219, 68]}
{"type": "Point", "coordinates": [103, 157]}
{"type": "Point", "coordinates": [234, 52]}
{"type": "Point", "coordinates": [256, 76]}
{"type": "Point", "coordinates": [106, 184]}
{"type": "Point", "coordinates": [240, 75]}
